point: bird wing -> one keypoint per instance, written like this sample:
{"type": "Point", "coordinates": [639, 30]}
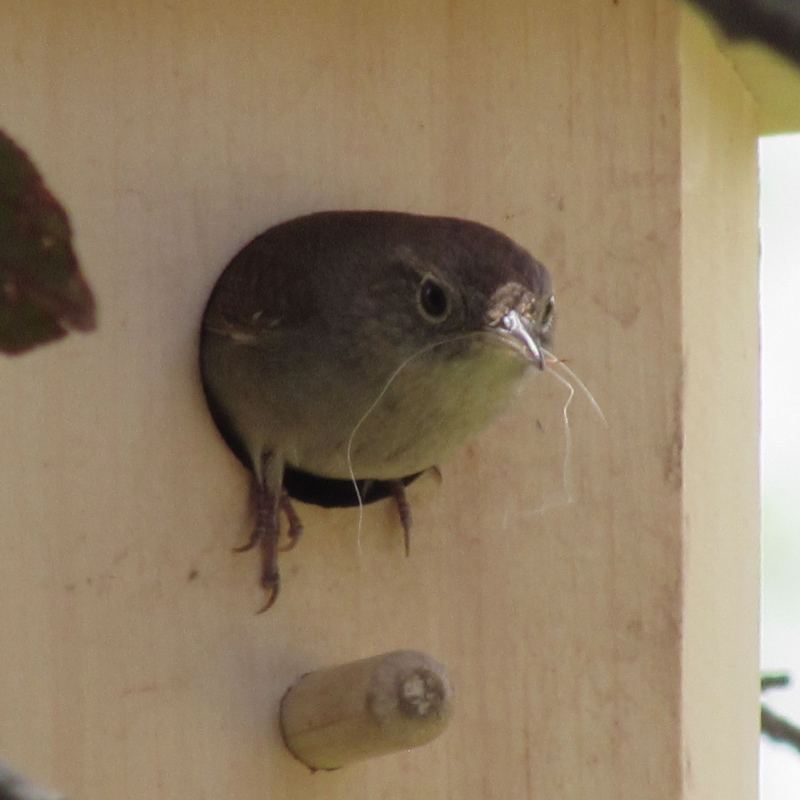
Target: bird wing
{"type": "Point", "coordinates": [264, 288]}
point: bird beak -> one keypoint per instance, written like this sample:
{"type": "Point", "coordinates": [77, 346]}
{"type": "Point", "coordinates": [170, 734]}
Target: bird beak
{"type": "Point", "coordinates": [514, 326]}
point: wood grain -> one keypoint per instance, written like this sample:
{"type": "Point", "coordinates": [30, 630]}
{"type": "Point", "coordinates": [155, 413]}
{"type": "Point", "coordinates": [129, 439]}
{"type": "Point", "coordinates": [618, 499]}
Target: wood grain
{"type": "Point", "coordinates": [566, 600]}
{"type": "Point", "coordinates": [367, 708]}
{"type": "Point", "coordinates": [720, 423]}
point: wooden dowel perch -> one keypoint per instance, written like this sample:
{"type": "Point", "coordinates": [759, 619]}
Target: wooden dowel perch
{"type": "Point", "coordinates": [367, 708]}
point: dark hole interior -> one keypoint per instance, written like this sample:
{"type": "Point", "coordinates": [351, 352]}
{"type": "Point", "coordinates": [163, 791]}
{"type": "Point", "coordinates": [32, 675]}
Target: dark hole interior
{"type": "Point", "coordinates": [332, 493]}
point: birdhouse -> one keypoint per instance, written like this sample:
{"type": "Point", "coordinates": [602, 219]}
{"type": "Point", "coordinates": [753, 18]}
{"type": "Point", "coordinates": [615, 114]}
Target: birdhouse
{"type": "Point", "coordinates": [589, 580]}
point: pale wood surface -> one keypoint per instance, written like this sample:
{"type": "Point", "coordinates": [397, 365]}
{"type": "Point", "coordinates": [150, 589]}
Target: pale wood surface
{"type": "Point", "coordinates": [132, 663]}
{"type": "Point", "coordinates": [383, 704]}
{"type": "Point", "coordinates": [720, 423]}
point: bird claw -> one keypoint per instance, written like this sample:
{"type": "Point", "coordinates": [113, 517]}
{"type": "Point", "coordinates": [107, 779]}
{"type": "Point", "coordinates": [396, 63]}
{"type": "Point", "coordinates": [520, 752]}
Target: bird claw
{"type": "Point", "coordinates": [271, 583]}
{"type": "Point", "coordinates": [295, 523]}
{"type": "Point", "coordinates": [266, 531]}
{"type": "Point", "coordinates": [252, 542]}
{"type": "Point", "coordinates": [404, 511]}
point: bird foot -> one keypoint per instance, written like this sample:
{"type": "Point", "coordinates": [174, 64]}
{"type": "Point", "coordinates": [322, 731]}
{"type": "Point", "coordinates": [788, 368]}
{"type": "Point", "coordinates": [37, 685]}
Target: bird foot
{"type": "Point", "coordinates": [294, 532]}
{"type": "Point", "coordinates": [267, 529]}
{"type": "Point", "coordinates": [295, 523]}
{"type": "Point", "coordinates": [404, 511]}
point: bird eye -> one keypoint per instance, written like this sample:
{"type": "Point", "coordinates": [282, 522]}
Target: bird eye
{"type": "Point", "coordinates": [433, 301]}
{"type": "Point", "coordinates": [547, 316]}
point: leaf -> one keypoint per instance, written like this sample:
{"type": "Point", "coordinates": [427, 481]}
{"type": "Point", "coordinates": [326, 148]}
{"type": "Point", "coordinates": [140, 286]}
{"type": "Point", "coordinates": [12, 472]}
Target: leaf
{"type": "Point", "coordinates": [43, 294]}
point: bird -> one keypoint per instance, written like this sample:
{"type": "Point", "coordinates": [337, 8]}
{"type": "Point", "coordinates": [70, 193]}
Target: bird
{"type": "Point", "coordinates": [365, 346]}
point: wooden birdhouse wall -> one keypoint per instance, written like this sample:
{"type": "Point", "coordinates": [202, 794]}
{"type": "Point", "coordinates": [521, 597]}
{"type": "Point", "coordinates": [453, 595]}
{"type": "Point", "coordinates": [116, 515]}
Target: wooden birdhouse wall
{"type": "Point", "coordinates": [594, 595]}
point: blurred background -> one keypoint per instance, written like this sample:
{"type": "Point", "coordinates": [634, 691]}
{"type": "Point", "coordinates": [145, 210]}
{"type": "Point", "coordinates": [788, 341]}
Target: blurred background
{"type": "Point", "coordinates": [780, 448]}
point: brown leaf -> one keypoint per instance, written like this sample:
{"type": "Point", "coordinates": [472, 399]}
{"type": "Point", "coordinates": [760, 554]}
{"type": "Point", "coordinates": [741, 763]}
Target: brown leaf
{"type": "Point", "coordinates": [42, 291]}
